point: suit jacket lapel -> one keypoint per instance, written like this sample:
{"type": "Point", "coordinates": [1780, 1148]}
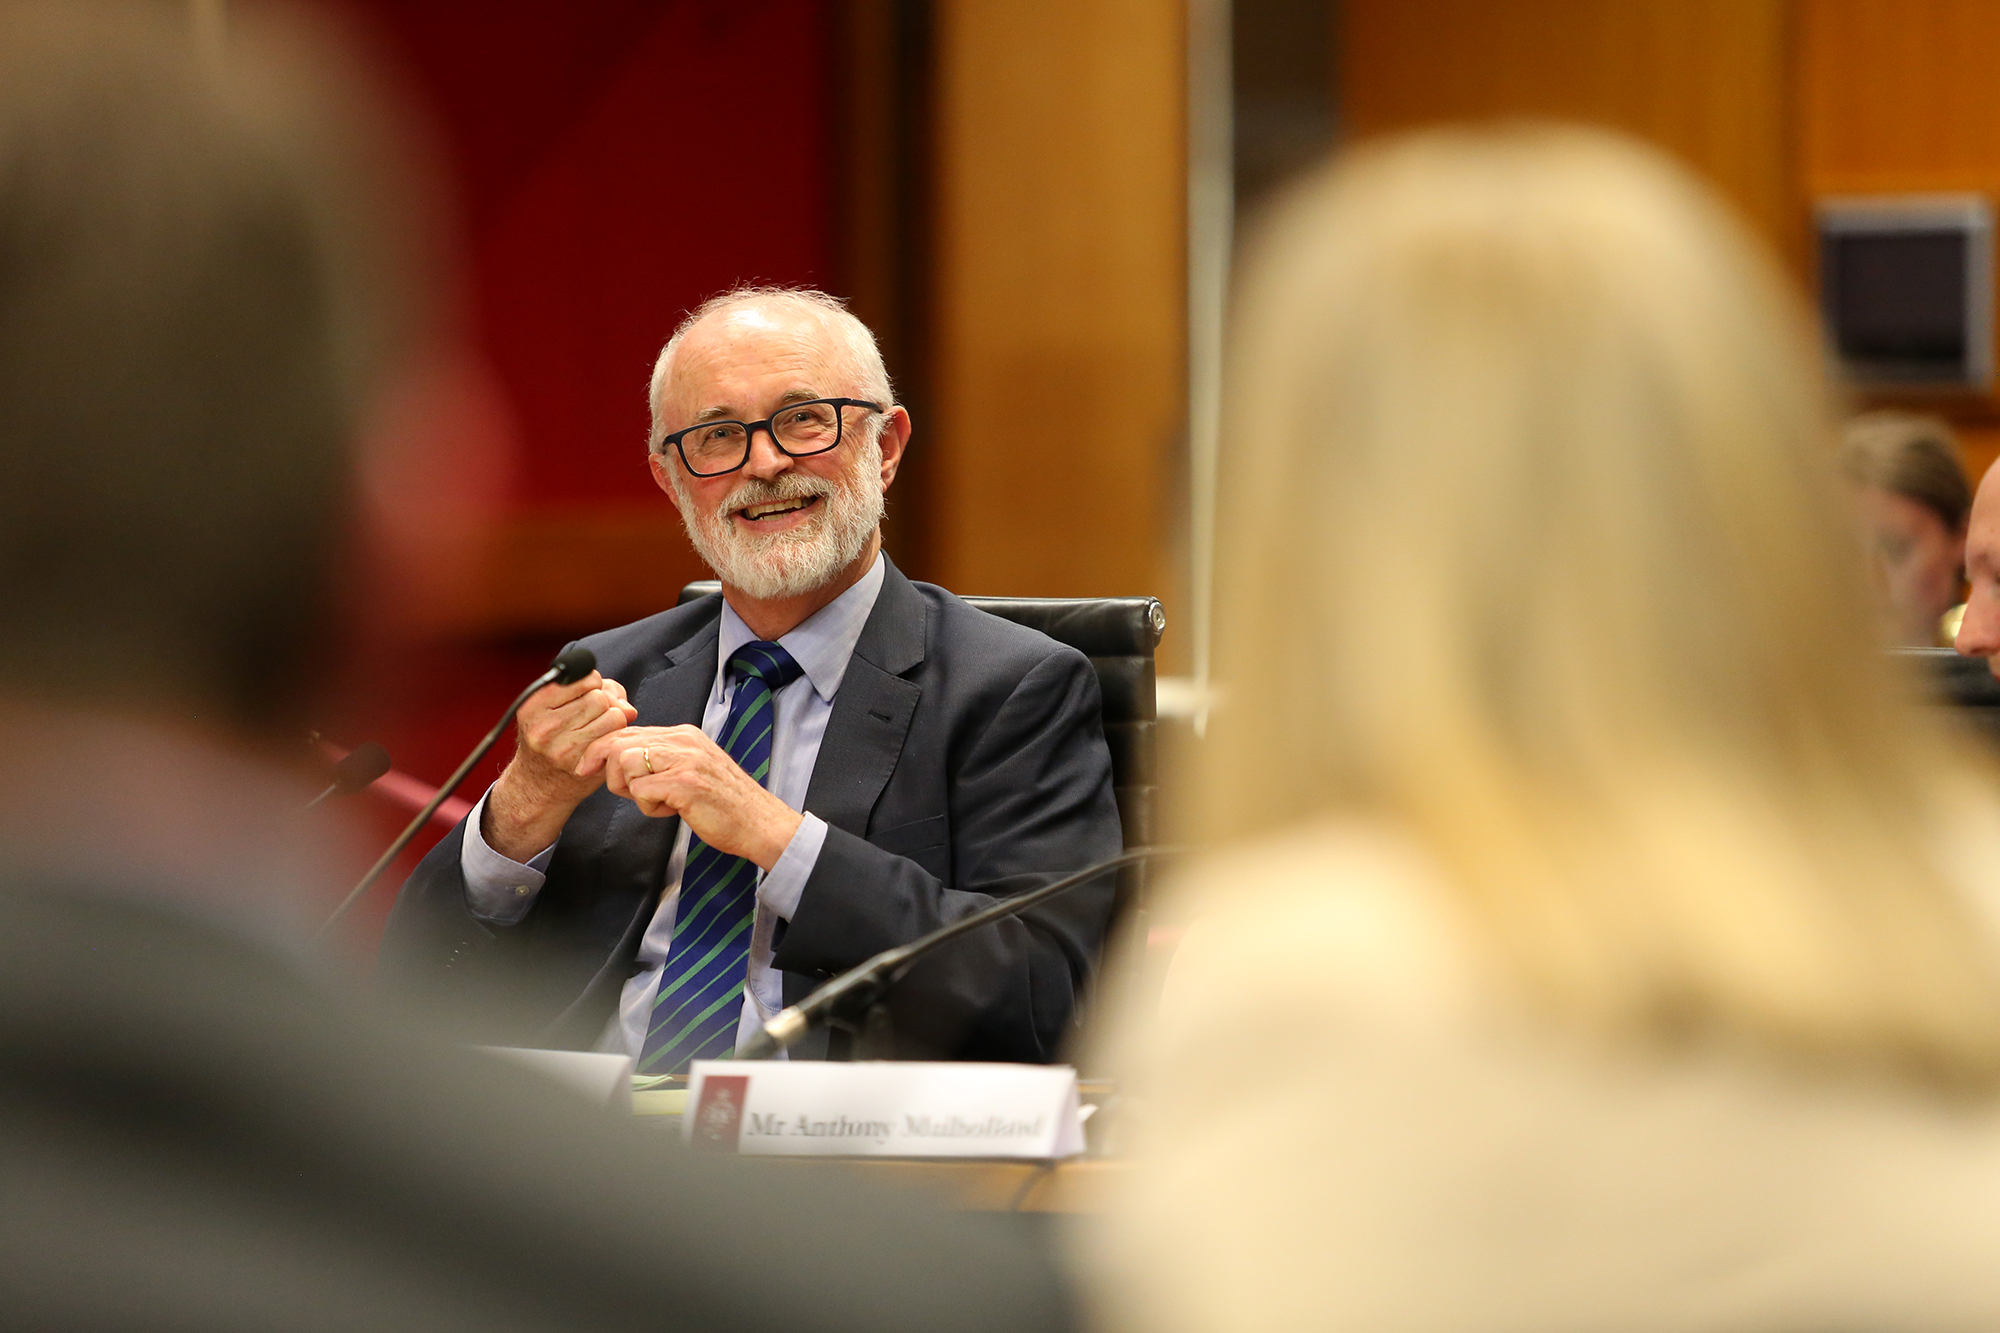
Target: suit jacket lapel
{"type": "Point", "coordinates": [871, 714]}
{"type": "Point", "coordinates": [677, 695]}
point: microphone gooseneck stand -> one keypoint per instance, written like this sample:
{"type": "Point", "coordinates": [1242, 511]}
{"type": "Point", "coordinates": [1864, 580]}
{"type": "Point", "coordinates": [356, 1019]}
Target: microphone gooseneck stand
{"type": "Point", "coordinates": [851, 1001]}
{"type": "Point", "coordinates": [573, 664]}
{"type": "Point", "coordinates": [356, 769]}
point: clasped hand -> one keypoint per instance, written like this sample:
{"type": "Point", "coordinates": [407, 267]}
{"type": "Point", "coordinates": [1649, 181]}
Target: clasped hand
{"type": "Point", "coordinates": [572, 738]}
{"type": "Point", "coordinates": [668, 771]}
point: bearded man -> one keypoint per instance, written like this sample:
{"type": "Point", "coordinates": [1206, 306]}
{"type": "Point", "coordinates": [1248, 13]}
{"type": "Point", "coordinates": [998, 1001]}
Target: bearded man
{"type": "Point", "coordinates": [764, 788]}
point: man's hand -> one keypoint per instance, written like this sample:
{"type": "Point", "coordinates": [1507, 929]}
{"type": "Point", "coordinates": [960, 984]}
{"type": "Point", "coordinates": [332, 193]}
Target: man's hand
{"type": "Point", "coordinates": [543, 783]}
{"type": "Point", "coordinates": [680, 771]}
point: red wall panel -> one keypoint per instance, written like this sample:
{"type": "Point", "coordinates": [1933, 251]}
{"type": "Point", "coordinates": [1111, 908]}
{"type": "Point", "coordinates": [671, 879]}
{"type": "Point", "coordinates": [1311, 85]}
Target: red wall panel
{"type": "Point", "coordinates": [613, 162]}
{"type": "Point", "coordinates": [616, 161]}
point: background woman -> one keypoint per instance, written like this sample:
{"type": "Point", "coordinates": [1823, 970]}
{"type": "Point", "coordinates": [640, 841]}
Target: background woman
{"type": "Point", "coordinates": [1914, 498]}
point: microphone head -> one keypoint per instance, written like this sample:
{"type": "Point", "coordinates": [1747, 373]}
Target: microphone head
{"type": "Point", "coordinates": [573, 664]}
{"type": "Point", "coordinates": [361, 766]}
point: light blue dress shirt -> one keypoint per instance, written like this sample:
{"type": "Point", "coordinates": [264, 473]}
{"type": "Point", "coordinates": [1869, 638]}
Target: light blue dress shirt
{"type": "Point", "coordinates": [500, 890]}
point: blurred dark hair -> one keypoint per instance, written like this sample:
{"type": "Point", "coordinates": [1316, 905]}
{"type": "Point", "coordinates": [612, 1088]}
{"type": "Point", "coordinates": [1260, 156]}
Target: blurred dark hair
{"type": "Point", "coordinates": [1912, 455]}
{"type": "Point", "coordinates": [193, 272]}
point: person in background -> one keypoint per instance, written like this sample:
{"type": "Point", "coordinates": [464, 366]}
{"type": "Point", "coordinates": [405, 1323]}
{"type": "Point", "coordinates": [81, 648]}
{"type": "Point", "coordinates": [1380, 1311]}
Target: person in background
{"type": "Point", "coordinates": [205, 334]}
{"type": "Point", "coordinates": [1577, 959]}
{"type": "Point", "coordinates": [1910, 486]}
{"type": "Point", "coordinates": [1979, 626]}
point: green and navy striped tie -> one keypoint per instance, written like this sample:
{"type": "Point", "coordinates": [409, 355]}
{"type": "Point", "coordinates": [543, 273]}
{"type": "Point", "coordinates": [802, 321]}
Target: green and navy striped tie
{"type": "Point", "coordinates": [700, 1000]}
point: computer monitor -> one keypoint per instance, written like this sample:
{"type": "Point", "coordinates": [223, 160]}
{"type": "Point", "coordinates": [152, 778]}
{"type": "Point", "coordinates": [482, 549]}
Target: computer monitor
{"type": "Point", "coordinates": [1906, 289]}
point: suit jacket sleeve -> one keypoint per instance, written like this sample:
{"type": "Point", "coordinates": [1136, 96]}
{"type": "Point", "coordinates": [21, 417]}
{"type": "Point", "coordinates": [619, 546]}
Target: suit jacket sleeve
{"type": "Point", "coordinates": [431, 929]}
{"type": "Point", "coordinates": [1028, 800]}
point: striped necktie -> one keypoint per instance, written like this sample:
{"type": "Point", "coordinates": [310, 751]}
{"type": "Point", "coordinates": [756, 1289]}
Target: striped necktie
{"type": "Point", "coordinates": [700, 1000]}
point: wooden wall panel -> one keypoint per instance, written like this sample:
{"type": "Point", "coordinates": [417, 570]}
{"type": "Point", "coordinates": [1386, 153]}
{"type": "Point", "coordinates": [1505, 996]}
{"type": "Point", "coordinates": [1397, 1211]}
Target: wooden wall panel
{"type": "Point", "coordinates": [1900, 94]}
{"type": "Point", "coordinates": [1904, 96]}
{"type": "Point", "coordinates": [1776, 101]}
{"type": "Point", "coordinates": [1059, 294]}
{"type": "Point", "coordinates": [1706, 79]}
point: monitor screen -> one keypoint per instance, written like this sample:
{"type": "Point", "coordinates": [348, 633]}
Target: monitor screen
{"type": "Point", "coordinates": [1899, 303]}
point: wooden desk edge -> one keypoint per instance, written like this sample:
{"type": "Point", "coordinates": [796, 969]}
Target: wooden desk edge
{"type": "Point", "coordinates": [1078, 1185]}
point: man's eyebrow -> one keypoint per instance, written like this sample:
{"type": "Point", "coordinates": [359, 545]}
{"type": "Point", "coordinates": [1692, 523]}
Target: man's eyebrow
{"type": "Point", "coordinates": [789, 397]}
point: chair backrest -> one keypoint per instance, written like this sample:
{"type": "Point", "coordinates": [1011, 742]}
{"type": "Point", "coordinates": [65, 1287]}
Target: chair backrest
{"type": "Point", "coordinates": [1118, 635]}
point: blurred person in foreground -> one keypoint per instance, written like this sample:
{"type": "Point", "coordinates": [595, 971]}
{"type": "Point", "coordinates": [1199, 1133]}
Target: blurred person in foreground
{"type": "Point", "coordinates": [1910, 487]}
{"type": "Point", "coordinates": [201, 343]}
{"type": "Point", "coordinates": [1587, 959]}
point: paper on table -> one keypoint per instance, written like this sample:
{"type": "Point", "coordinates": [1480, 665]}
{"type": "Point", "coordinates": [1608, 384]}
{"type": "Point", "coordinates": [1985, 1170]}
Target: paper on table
{"type": "Point", "coordinates": [601, 1077]}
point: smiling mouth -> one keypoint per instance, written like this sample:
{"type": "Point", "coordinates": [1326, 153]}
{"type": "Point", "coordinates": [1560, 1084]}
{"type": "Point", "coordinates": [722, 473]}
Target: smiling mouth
{"type": "Point", "coordinates": [775, 509]}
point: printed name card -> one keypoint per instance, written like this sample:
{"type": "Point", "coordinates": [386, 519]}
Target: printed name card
{"type": "Point", "coordinates": [887, 1108]}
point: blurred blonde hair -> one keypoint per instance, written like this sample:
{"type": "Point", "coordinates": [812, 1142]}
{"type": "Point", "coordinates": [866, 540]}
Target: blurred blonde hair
{"type": "Point", "coordinates": [1533, 545]}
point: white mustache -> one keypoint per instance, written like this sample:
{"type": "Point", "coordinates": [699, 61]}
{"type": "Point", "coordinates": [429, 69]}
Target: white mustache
{"type": "Point", "coordinates": [791, 486]}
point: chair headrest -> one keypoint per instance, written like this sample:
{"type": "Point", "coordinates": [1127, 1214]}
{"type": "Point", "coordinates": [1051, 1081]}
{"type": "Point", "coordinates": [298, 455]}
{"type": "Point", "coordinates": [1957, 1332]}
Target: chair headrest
{"type": "Point", "coordinates": [1094, 626]}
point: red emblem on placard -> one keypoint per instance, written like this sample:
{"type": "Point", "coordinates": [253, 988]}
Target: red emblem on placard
{"type": "Point", "coordinates": [718, 1116]}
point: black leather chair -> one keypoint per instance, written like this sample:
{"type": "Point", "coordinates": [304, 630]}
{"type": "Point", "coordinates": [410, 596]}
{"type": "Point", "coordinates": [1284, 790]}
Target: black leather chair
{"type": "Point", "coordinates": [1118, 635]}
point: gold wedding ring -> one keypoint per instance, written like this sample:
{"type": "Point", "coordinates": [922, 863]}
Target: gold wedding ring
{"type": "Point", "coordinates": [648, 752]}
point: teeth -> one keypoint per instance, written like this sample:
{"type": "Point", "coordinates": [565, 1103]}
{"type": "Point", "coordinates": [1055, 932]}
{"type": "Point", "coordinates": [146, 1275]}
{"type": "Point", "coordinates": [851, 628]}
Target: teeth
{"type": "Point", "coordinates": [777, 507]}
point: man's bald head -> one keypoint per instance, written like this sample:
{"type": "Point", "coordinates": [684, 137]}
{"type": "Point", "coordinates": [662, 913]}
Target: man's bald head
{"type": "Point", "coordinates": [784, 529]}
{"type": "Point", "coordinates": [822, 320]}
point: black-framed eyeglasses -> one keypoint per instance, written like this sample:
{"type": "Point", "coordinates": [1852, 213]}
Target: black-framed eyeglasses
{"type": "Point", "coordinates": [711, 448]}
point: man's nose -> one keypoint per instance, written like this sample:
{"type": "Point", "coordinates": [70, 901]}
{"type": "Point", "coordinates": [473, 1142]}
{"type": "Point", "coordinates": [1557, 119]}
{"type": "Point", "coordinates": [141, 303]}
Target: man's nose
{"type": "Point", "coordinates": [1979, 631]}
{"type": "Point", "coordinates": [766, 458]}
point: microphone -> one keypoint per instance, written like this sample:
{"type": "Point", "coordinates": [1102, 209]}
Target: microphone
{"type": "Point", "coordinates": [356, 769]}
{"type": "Point", "coordinates": [572, 664]}
{"type": "Point", "coordinates": [857, 989]}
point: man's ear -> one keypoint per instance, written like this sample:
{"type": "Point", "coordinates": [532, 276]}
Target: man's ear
{"type": "Point", "coordinates": [895, 438]}
{"type": "Point", "coordinates": [660, 462]}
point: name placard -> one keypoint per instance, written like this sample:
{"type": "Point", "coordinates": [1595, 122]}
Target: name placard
{"type": "Point", "coordinates": [888, 1108]}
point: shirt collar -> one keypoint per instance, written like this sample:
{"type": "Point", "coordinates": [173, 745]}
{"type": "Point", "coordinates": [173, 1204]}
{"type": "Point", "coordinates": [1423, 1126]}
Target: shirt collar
{"type": "Point", "coordinates": [824, 642]}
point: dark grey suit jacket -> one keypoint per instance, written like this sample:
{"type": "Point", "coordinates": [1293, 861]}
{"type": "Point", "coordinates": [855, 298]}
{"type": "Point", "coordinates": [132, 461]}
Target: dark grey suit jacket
{"type": "Point", "coordinates": [964, 761]}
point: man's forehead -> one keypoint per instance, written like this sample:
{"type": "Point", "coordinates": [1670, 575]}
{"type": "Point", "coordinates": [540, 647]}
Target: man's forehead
{"type": "Point", "coordinates": [1983, 524]}
{"type": "Point", "coordinates": [750, 332]}
{"type": "Point", "coordinates": [1986, 500]}
{"type": "Point", "coordinates": [737, 349]}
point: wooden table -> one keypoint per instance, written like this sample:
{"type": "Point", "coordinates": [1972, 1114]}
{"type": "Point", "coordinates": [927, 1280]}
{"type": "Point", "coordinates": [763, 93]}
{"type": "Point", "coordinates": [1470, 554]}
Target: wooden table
{"type": "Point", "coordinates": [1080, 1185]}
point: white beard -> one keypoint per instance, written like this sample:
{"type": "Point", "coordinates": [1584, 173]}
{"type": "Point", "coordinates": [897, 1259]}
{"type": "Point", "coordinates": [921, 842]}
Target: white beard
{"type": "Point", "coordinates": [800, 560]}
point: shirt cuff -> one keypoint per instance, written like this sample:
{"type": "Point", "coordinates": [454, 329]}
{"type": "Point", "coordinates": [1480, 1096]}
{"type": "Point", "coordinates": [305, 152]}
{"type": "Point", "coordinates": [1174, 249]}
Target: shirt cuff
{"type": "Point", "coordinates": [784, 882]}
{"type": "Point", "coordinates": [499, 890]}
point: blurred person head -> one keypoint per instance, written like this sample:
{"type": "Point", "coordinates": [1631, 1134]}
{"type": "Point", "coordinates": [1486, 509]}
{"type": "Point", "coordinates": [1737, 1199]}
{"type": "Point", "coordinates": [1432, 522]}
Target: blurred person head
{"type": "Point", "coordinates": [1914, 499]}
{"type": "Point", "coordinates": [231, 460]}
{"type": "Point", "coordinates": [780, 525]}
{"type": "Point", "coordinates": [1532, 545]}
{"type": "Point", "coordinates": [203, 306]}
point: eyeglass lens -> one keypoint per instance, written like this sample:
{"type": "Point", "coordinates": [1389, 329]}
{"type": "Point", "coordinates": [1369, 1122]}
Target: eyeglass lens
{"type": "Point", "coordinates": [803, 428]}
